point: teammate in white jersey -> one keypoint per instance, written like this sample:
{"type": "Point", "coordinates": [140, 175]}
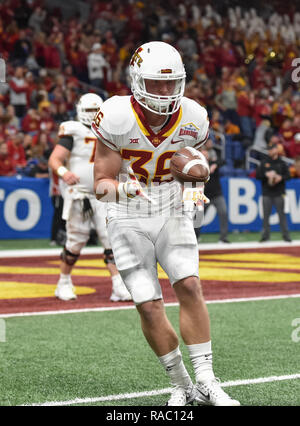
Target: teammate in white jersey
{"type": "Point", "coordinates": [143, 132]}
{"type": "Point", "coordinates": [73, 160]}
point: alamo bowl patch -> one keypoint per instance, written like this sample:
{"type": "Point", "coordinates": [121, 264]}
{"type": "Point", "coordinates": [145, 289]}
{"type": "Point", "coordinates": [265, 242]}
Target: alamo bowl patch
{"type": "Point", "coordinates": [190, 130]}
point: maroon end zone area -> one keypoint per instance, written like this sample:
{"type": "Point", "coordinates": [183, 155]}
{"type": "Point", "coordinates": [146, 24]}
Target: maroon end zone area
{"type": "Point", "coordinates": [213, 290]}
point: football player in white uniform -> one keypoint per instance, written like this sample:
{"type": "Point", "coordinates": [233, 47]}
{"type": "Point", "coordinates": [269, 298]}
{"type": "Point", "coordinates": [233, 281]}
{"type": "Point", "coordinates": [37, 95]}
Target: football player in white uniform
{"type": "Point", "coordinates": [73, 160]}
{"type": "Point", "coordinates": [147, 221]}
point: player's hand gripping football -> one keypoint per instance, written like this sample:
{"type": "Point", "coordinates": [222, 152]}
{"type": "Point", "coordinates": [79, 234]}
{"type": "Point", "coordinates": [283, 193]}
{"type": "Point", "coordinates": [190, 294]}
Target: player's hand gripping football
{"type": "Point", "coordinates": [132, 187]}
{"type": "Point", "coordinates": [194, 198]}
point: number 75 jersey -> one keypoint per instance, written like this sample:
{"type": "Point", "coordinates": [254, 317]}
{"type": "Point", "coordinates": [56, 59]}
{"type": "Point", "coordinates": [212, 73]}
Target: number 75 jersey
{"type": "Point", "coordinates": [81, 142]}
{"type": "Point", "coordinates": [120, 124]}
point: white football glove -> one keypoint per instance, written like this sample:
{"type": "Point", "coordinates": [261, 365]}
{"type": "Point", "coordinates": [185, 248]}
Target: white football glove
{"type": "Point", "coordinates": [132, 187]}
{"type": "Point", "coordinates": [194, 198]}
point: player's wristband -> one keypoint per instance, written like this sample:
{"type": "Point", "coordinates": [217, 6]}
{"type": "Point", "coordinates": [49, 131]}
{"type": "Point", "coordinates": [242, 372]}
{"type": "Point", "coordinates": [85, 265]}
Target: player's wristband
{"type": "Point", "coordinates": [122, 191]}
{"type": "Point", "coordinates": [61, 171]}
{"type": "Point", "coordinates": [127, 191]}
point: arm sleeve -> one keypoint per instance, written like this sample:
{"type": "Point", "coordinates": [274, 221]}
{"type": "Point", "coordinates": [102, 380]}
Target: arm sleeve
{"type": "Point", "coordinates": [66, 141]}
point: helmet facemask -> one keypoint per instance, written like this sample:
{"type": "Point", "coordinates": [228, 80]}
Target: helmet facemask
{"type": "Point", "coordinates": [86, 116]}
{"type": "Point", "coordinates": [160, 104]}
{"type": "Point", "coordinates": [157, 61]}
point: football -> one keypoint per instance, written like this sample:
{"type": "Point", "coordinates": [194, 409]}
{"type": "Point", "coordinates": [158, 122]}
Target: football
{"type": "Point", "coordinates": [189, 165]}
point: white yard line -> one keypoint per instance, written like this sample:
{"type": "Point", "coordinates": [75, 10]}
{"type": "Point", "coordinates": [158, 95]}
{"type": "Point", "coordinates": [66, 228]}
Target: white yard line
{"type": "Point", "coordinates": [119, 308]}
{"type": "Point", "coordinates": [163, 391]}
{"type": "Point", "coordinates": [46, 252]}
{"type": "Point", "coordinates": [99, 250]}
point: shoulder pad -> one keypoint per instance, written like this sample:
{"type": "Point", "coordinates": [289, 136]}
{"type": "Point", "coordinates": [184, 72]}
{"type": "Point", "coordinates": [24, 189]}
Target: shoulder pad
{"type": "Point", "coordinates": [117, 115]}
{"type": "Point", "coordinates": [193, 110]}
{"type": "Point", "coordinates": [195, 119]}
{"type": "Point", "coordinates": [68, 128]}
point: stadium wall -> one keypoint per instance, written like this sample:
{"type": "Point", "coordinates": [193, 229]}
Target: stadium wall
{"type": "Point", "coordinates": [26, 209]}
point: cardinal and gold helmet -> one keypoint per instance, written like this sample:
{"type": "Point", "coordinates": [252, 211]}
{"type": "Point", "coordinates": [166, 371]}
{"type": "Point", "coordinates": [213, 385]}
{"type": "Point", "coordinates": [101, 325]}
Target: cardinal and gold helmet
{"type": "Point", "coordinates": [157, 60]}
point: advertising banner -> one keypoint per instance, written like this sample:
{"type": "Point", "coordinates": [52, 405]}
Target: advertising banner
{"type": "Point", "coordinates": [26, 209]}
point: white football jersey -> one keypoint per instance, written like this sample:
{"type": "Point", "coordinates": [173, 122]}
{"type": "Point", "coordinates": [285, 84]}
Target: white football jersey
{"type": "Point", "coordinates": [81, 161]}
{"type": "Point", "coordinates": [120, 124]}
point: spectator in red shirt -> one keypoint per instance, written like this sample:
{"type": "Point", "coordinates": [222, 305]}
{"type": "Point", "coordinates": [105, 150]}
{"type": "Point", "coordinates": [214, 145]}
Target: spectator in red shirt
{"type": "Point", "coordinates": [262, 108]}
{"type": "Point", "coordinates": [7, 165]}
{"type": "Point", "coordinates": [47, 123]}
{"type": "Point", "coordinates": [11, 35]}
{"type": "Point", "coordinates": [31, 122]}
{"type": "Point", "coordinates": [296, 124]}
{"type": "Point", "coordinates": [16, 150]}
{"type": "Point", "coordinates": [228, 57]}
{"type": "Point", "coordinates": [294, 147]}
{"type": "Point", "coordinates": [39, 42]}
{"type": "Point", "coordinates": [258, 75]}
{"type": "Point", "coordinates": [52, 54]}
{"type": "Point", "coordinates": [209, 60]}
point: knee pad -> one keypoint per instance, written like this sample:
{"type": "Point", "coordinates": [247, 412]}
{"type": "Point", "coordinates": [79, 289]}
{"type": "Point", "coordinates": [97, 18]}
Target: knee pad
{"type": "Point", "coordinates": [68, 257]}
{"type": "Point", "coordinates": [109, 256]}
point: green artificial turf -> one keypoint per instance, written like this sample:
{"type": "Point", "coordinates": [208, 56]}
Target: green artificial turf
{"type": "Point", "coordinates": [88, 355]}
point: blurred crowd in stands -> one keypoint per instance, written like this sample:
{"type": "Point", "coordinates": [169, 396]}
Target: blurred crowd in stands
{"type": "Point", "coordinates": [241, 65]}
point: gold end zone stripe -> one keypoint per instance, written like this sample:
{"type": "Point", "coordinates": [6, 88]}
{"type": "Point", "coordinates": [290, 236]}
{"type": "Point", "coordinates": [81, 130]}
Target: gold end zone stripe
{"type": "Point", "coordinates": [278, 259]}
{"type": "Point", "coordinates": [208, 271]}
{"type": "Point", "coordinates": [234, 268]}
{"type": "Point", "coordinates": [52, 271]}
{"type": "Point", "coordinates": [243, 276]}
{"type": "Point", "coordinates": [19, 290]}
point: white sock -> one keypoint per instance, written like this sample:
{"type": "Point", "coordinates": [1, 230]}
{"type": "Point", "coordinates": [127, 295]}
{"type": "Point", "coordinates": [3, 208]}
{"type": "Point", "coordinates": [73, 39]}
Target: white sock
{"type": "Point", "coordinates": [65, 277]}
{"type": "Point", "coordinates": [173, 364]}
{"type": "Point", "coordinates": [116, 280]}
{"type": "Point", "coordinates": [201, 358]}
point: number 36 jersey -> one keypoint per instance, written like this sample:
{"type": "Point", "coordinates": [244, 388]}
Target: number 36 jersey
{"type": "Point", "coordinates": [121, 125]}
{"type": "Point", "coordinates": [81, 142]}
